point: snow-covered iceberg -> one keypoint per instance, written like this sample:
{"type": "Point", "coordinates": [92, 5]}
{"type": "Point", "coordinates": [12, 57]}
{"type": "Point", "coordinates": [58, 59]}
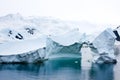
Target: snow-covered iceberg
{"type": "Point", "coordinates": [19, 36]}
{"type": "Point", "coordinates": [26, 51]}
{"type": "Point", "coordinates": [103, 47]}
{"type": "Point", "coordinates": [68, 44]}
{"type": "Point", "coordinates": [17, 47]}
{"type": "Point", "coordinates": [28, 57]}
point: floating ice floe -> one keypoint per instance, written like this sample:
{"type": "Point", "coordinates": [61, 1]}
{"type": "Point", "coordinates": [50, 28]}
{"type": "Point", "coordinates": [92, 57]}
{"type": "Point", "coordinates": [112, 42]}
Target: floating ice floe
{"type": "Point", "coordinates": [103, 47]}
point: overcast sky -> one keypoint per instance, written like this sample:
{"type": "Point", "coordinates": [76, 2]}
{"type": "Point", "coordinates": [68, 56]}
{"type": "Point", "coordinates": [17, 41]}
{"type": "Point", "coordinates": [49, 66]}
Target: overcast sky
{"type": "Point", "coordinates": [96, 11]}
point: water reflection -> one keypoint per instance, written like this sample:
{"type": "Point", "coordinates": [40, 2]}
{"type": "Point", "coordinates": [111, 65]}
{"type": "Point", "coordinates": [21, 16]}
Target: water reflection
{"type": "Point", "coordinates": [56, 69]}
{"type": "Point", "coordinates": [102, 72]}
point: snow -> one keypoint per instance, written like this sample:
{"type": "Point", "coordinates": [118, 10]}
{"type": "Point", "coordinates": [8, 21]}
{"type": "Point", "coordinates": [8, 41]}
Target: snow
{"type": "Point", "coordinates": [13, 24]}
{"type": "Point", "coordinates": [68, 38]}
{"type": "Point", "coordinates": [17, 47]}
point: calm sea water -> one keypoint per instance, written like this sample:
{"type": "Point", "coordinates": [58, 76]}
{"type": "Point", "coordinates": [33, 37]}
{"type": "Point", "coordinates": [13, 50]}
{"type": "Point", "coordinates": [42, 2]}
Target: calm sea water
{"type": "Point", "coordinates": [59, 69]}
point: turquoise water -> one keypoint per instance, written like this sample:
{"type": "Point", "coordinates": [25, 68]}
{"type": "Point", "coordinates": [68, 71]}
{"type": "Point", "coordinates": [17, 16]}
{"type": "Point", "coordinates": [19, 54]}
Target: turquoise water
{"type": "Point", "coordinates": [58, 69]}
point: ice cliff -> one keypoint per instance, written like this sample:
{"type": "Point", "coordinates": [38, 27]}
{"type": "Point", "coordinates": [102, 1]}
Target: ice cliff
{"type": "Point", "coordinates": [36, 56]}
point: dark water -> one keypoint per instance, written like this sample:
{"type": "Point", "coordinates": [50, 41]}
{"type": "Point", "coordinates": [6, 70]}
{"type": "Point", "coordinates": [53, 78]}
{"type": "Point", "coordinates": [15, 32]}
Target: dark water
{"type": "Point", "coordinates": [58, 69]}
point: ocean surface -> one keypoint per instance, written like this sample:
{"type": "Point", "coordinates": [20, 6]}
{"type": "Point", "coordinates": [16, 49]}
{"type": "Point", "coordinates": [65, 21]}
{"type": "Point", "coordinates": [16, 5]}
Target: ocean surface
{"type": "Point", "coordinates": [61, 69]}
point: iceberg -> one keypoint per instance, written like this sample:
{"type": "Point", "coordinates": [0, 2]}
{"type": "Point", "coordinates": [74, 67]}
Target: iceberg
{"type": "Point", "coordinates": [26, 51]}
{"type": "Point", "coordinates": [103, 47]}
{"type": "Point", "coordinates": [55, 50]}
{"type": "Point", "coordinates": [66, 45]}
{"type": "Point", "coordinates": [49, 47]}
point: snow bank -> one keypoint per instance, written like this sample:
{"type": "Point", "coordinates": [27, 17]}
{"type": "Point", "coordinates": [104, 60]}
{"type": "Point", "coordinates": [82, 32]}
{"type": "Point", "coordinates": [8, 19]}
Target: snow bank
{"type": "Point", "coordinates": [17, 47]}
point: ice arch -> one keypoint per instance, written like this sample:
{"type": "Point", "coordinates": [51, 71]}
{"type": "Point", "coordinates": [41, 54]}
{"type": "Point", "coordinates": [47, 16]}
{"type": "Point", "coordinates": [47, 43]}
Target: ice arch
{"type": "Point", "coordinates": [71, 43]}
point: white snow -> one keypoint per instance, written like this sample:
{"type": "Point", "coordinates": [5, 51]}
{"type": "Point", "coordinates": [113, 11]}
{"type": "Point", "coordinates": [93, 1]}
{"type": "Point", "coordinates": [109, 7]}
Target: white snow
{"type": "Point", "coordinates": [17, 47]}
{"type": "Point", "coordinates": [68, 38]}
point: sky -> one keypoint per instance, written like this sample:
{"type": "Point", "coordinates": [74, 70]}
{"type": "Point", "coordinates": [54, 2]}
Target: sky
{"type": "Point", "coordinates": [95, 11]}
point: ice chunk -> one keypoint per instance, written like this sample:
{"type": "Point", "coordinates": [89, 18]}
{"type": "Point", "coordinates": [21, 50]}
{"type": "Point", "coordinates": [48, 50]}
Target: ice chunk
{"type": "Point", "coordinates": [66, 44]}
{"type": "Point", "coordinates": [103, 47]}
{"type": "Point", "coordinates": [55, 49]}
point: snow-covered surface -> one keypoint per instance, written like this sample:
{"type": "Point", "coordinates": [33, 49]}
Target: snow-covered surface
{"type": "Point", "coordinates": [43, 26]}
{"type": "Point", "coordinates": [17, 47]}
{"type": "Point", "coordinates": [14, 25]}
{"type": "Point", "coordinates": [69, 38]}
